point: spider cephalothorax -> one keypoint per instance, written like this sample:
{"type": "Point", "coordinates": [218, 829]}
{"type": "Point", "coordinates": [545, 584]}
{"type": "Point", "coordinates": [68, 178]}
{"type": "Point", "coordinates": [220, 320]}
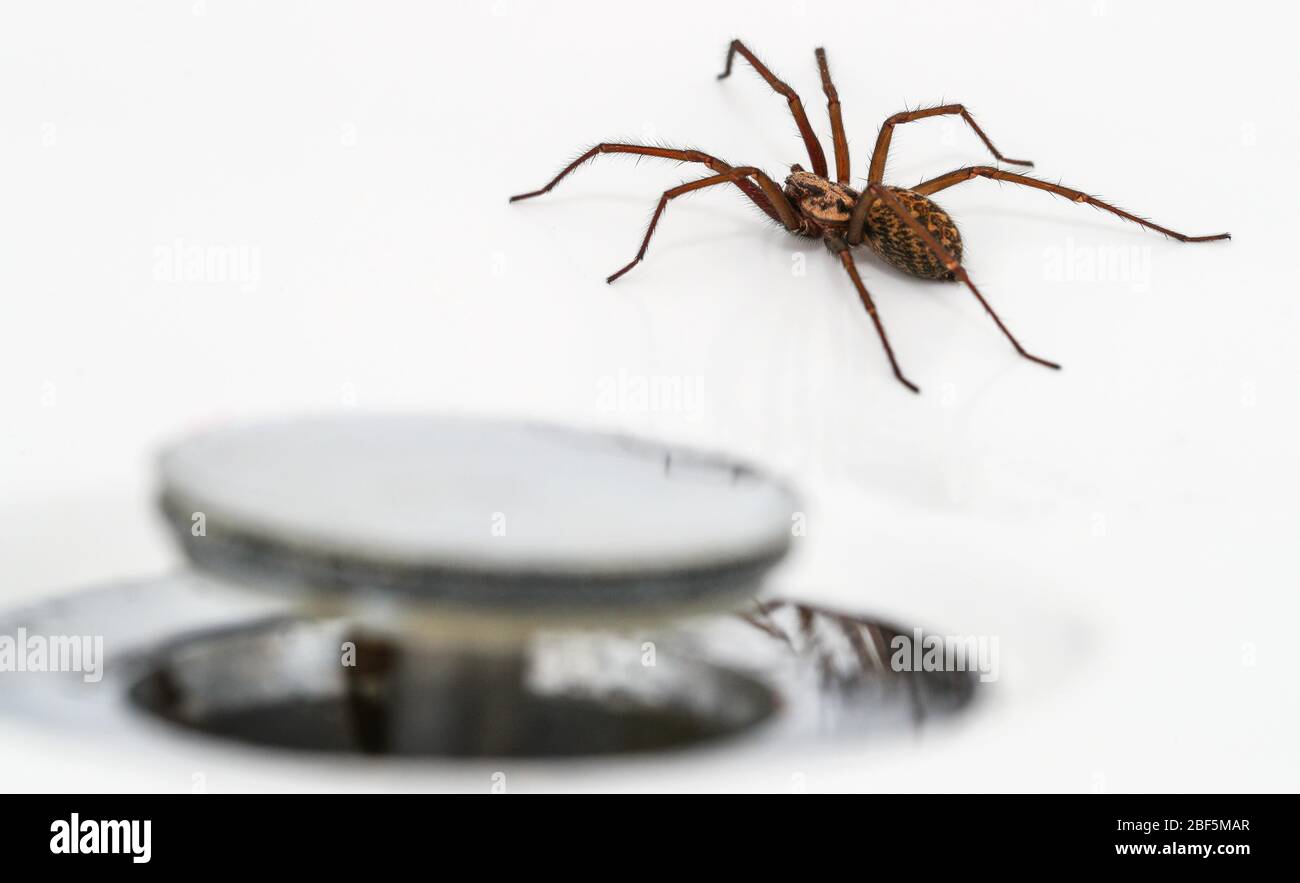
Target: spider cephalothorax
{"type": "Point", "coordinates": [904, 227]}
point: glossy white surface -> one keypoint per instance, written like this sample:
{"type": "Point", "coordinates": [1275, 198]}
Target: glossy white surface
{"type": "Point", "coordinates": [1126, 526]}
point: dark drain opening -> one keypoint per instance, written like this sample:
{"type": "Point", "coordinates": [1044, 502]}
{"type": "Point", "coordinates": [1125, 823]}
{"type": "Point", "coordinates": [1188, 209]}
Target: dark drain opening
{"type": "Point", "coordinates": [289, 685]}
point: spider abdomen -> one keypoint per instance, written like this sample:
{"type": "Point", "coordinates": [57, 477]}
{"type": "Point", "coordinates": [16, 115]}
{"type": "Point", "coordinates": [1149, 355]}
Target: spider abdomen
{"type": "Point", "coordinates": [898, 245]}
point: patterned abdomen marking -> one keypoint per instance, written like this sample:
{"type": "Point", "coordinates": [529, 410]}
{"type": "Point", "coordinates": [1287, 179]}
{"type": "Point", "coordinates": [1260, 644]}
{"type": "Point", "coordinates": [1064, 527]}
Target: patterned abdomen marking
{"type": "Point", "coordinates": [899, 246]}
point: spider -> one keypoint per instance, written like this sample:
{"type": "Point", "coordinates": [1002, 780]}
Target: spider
{"type": "Point", "coordinates": [903, 226]}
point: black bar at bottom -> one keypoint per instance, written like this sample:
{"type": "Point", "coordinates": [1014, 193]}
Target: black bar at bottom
{"type": "Point", "coordinates": [335, 832]}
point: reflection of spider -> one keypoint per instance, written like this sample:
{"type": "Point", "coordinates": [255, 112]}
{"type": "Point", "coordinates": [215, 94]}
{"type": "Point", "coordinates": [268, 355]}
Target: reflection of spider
{"type": "Point", "coordinates": [851, 653]}
{"type": "Point", "coordinates": [903, 226]}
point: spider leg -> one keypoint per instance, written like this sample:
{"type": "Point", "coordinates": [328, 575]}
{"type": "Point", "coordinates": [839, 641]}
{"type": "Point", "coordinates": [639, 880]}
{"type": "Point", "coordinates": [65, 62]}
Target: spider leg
{"type": "Point", "coordinates": [837, 122]}
{"type": "Point", "coordinates": [951, 264]}
{"type": "Point", "coordinates": [765, 194]}
{"type": "Point", "coordinates": [881, 152]}
{"type": "Point", "coordinates": [943, 182]}
{"type": "Point", "coordinates": [841, 248]}
{"type": "Point", "coordinates": [815, 153]}
{"type": "Point", "coordinates": [731, 176]}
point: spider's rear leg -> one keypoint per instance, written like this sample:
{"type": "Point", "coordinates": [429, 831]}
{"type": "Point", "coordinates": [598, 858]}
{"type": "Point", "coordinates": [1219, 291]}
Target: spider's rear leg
{"type": "Point", "coordinates": [943, 182]}
{"type": "Point", "coordinates": [840, 248]}
{"type": "Point", "coordinates": [735, 176]}
{"type": "Point", "coordinates": [876, 172]}
{"type": "Point", "coordinates": [950, 263]}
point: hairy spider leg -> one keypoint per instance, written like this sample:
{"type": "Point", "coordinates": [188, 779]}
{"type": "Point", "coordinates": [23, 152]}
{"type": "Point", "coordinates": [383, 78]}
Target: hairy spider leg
{"type": "Point", "coordinates": [766, 194]}
{"type": "Point", "coordinates": [881, 153]}
{"type": "Point", "coordinates": [837, 122]}
{"type": "Point", "coordinates": [943, 182]}
{"type": "Point", "coordinates": [729, 177]}
{"type": "Point", "coordinates": [949, 262]}
{"type": "Point", "coordinates": [841, 249]}
{"type": "Point", "coordinates": [815, 153]}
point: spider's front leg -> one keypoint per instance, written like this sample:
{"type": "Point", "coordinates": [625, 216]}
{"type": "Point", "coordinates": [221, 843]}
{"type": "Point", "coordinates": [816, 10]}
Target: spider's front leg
{"type": "Point", "coordinates": [841, 249]}
{"type": "Point", "coordinates": [731, 176]}
{"type": "Point", "coordinates": [815, 153]}
{"type": "Point", "coordinates": [837, 121]}
{"type": "Point", "coordinates": [765, 194]}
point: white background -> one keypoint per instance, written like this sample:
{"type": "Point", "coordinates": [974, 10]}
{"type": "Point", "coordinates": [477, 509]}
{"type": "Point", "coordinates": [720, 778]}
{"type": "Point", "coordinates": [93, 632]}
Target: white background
{"type": "Point", "coordinates": [1126, 527]}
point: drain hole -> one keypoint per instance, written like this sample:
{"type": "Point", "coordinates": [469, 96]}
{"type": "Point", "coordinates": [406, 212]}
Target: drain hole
{"type": "Point", "coordinates": [317, 686]}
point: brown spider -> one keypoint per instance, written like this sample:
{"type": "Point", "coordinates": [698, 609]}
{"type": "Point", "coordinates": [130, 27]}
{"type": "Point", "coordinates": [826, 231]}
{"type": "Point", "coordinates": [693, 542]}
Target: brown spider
{"type": "Point", "coordinates": [904, 227]}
